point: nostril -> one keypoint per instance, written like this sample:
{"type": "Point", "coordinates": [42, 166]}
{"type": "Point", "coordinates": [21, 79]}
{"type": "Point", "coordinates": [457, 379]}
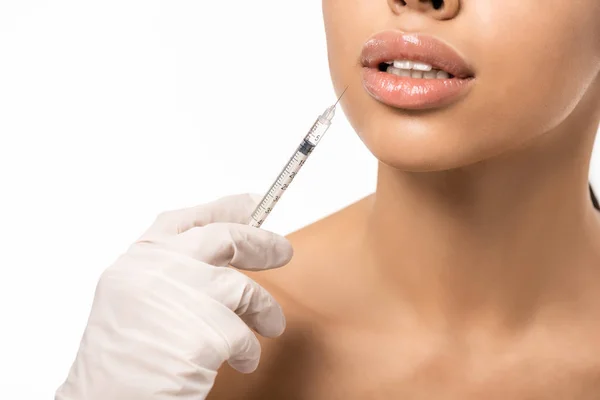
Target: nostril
{"type": "Point", "coordinates": [437, 4]}
{"type": "Point", "coordinates": [439, 9]}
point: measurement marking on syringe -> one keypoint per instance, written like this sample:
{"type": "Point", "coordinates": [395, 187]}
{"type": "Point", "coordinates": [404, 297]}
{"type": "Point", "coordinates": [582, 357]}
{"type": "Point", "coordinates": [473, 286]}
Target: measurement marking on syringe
{"type": "Point", "coordinates": [291, 169]}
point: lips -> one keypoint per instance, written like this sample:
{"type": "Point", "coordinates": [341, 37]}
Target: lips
{"type": "Point", "coordinates": [405, 91]}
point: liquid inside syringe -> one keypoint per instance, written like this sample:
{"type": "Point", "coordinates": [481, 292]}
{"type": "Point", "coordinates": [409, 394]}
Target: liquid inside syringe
{"type": "Point", "coordinates": [283, 181]}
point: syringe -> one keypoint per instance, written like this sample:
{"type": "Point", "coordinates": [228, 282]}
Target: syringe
{"type": "Point", "coordinates": [310, 141]}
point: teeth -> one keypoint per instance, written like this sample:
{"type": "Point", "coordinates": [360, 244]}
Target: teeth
{"type": "Point", "coordinates": [432, 74]}
{"type": "Point", "coordinates": [398, 72]}
{"type": "Point", "coordinates": [442, 75]}
{"type": "Point", "coordinates": [403, 64]}
{"type": "Point", "coordinates": [407, 64]}
{"type": "Point", "coordinates": [415, 69]}
{"type": "Point", "coordinates": [422, 66]}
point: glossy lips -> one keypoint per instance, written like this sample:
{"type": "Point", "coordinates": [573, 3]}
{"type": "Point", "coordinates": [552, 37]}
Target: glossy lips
{"type": "Point", "coordinates": [407, 92]}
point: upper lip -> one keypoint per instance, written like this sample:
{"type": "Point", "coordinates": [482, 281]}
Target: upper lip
{"type": "Point", "coordinates": [394, 45]}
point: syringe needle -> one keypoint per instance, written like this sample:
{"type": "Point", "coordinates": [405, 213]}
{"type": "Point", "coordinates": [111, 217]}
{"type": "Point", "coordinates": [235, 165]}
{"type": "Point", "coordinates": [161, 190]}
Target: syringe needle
{"type": "Point", "coordinates": [339, 98]}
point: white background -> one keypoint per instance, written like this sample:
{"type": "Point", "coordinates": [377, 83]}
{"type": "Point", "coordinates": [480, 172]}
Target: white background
{"type": "Point", "coordinates": [112, 111]}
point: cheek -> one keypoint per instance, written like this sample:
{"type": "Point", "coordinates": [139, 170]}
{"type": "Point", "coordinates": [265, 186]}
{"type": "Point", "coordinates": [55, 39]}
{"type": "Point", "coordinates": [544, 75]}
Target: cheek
{"type": "Point", "coordinates": [536, 63]}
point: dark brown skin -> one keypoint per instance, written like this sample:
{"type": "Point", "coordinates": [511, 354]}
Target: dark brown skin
{"type": "Point", "coordinates": [474, 270]}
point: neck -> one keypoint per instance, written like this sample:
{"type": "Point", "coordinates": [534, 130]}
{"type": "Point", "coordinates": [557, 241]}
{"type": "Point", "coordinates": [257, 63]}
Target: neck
{"type": "Point", "coordinates": [494, 240]}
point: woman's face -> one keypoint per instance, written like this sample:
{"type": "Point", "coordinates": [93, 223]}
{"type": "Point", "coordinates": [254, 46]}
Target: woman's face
{"type": "Point", "coordinates": [526, 65]}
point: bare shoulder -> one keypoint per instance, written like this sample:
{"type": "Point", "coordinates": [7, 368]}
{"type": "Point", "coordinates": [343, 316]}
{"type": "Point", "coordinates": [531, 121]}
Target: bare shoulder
{"type": "Point", "coordinates": [290, 362]}
{"type": "Point", "coordinates": [285, 365]}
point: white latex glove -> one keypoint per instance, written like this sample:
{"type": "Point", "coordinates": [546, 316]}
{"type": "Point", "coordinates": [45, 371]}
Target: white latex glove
{"type": "Point", "coordinates": [170, 311]}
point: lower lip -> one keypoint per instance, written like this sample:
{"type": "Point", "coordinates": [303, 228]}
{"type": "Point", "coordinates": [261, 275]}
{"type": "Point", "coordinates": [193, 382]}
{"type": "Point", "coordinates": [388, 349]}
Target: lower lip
{"type": "Point", "coordinates": [413, 93]}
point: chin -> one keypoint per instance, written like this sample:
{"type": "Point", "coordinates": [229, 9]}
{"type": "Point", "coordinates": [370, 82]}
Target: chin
{"type": "Point", "coordinates": [422, 158]}
{"type": "Point", "coordinates": [420, 143]}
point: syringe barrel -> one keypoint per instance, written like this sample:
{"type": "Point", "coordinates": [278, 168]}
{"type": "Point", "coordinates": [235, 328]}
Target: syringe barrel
{"type": "Point", "coordinates": [317, 131]}
{"type": "Point", "coordinates": [278, 188]}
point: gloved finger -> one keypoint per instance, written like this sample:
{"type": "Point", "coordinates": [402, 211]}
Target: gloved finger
{"type": "Point", "coordinates": [245, 352]}
{"type": "Point", "coordinates": [242, 349]}
{"type": "Point", "coordinates": [242, 246]}
{"type": "Point", "coordinates": [227, 286]}
{"type": "Point", "coordinates": [250, 301]}
{"type": "Point", "coordinates": [175, 318]}
{"type": "Point", "coordinates": [235, 208]}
